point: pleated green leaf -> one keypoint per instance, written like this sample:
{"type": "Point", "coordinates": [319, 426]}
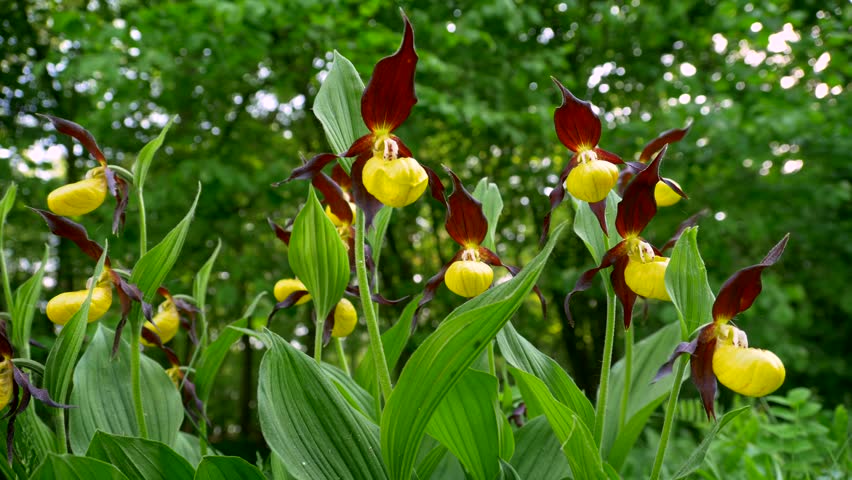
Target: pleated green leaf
{"type": "Point", "coordinates": [140, 459]}
{"type": "Point", "coordinates": [645, 396]}
{"type": "Point", "coordinates": [338, 105]}
{"type": "Point", "coordinates": [70, 467]}
{"type": "Point", "coordinates": [444, 357]}
{"type": "Point", "coordinates": [686, 282]}
{"type": "Point", "coordinates": [35, 443]}
{"type": "Point", "coordinates": [521, 354]}
{"type": "Point", "coordinates": [63, 355]}
{"type": "Point", "coordinates": [465, 422]}
{"type": "Point", "coordinates": [576, 439]}
{"type": "Point", "coordinates": [308, 423]}
{"type": "Point", "coordinates": [227, 468]}
{"type": "Point", "coordinates": [318, 256]}
{"type": "Point", "coordinates": [146, 156]}
{"type": "Point", "coordinates": [202, 278]}
{"type": "Point", "coordinates": [188, 447]}
{"type": "Point", "coordinates": [394, 340]}
{"type": "Point", "coordinates": [538, 453]}
{"type": "Point", "coordinates": [586, 226]}
{"type": "Point", "coordinates": [356, 396]}
{"type": "Point", "coordinates": [696, 458]}
{"type": "Point", "coordinates": [25, 300]}
{"type": "Point", "coordinates": [492, 206]}
{"type": "Point", "coordinates": [103, 400]}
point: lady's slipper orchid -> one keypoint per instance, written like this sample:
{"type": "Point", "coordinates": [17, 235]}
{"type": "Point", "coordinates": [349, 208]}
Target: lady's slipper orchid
{"type": "Point", "coordinates": [638, 268]}
{"type": "Point", "coordinates": [287, 286]}
{"type": "Point", "coordinates": [62, 307]}
{"type": "Point", "coordinates": [164, 326]}
{"type": "Point", "coordinates": [667, 192]}
{"type": "Point", "coordinates": [591, 173]}
{"type": "Point", "coordinates": [384, 171]}
{"type": "Point", "coordinates": [721, 351]}
{"type": "Point", "coordinates": [82, 197]}
{"type": "Point", "coordinates": [344, 319]}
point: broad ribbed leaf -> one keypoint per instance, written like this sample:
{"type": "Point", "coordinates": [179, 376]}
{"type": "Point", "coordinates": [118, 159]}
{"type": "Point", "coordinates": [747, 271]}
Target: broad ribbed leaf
{"type": "Point", "coordinates": [645, 396]}
{"type": "Point", "coordinates": [338, 105]}
{"type": "Point", "coordinates": [443, 358]}
{"type": "Point", "coordinates": [522, 355]}
{"type": "Point", "coordinates": [227, 468]}
{"type": "Point", "coordinates": [686, 282]}
{"type": "Point", "coordinates": [207, 370]}
{"type": "Point", "coordinates": [199, 284]}
{"type": "Point", "coordinates": [36, 441]}
{"type": "Point", "coordinates": [466, 423]}
{"type": "Point", "coordinates": [103, 400]}
{"type": "Point", "coordinates": [146, 155]}
{"type": "Point", "coordinates": [140, 459]}
{"type": "Point", "coordinates": [586, 226]}
{"type": "Point", "coordinates": [70, 467]}
{"type": "Point", "coordinates": [308, 423]}
{"type": "Point", "coordinates": [576, 439]}
{"type": "Point", "coordinates": [318, 256]}
{"type": "Point", "coordinates": [696, 458]}
{"type": "Point", "coordinates": [393, 343]}
{"type": "Point", "coordinates": [538, 453]}
{"type": "Point", "coordinates": [492, 205]}
{"type": "Point", "coordinates": [63, 355]}
{"type": "Point", "coordinates": [25, 300]}
{"type": "Point", "coordinates": [356, 396]}
{"type": "Point", "coordinates": [188, 446]}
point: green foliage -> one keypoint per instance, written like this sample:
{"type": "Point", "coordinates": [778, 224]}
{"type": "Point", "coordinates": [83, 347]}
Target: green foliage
{"type": "Point", "coordinates": [226, 468]}
{"type": "Point", "coordinates": [686, 282]}
{"type": "Point", "coordinates": [139, 459]}
{"type": "Point", "coordinates": [338, 104]}
{"type": "Point", "coordinates": [75, 468]}
{"type": "Point", "coordinates": [538, 453]}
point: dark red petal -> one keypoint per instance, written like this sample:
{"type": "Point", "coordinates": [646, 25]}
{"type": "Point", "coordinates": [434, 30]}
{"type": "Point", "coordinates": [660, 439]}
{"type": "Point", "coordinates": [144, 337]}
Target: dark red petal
{"type": "Point", "coordinates": [309, 169]}
{"type": "Point", "coordinates": [127, 292]}
{"type": "Point", "coordinates": [190, 397]}
{"type": "Point", "coordinates": [608, 156]}
{"type": "Point", "coordinates": [436, 188]}
{"type": "Point", "coordinates": [625, 295]}
{"type": "Point", "coordinates": [671, 183]}
{"type": "Point", "coordinates": [369, 204]}
{"type": "Point", "coordinates": [432, 287]}
{"type": "Point", "coordinates": [739, 291]}
{"type": "Point", "coordinates": [638, 206]}
{"type": "Point", "coordinates": [389, 96]}
{"type": "Point", "coordinates": [577, 126]}
{"type": "Point", "coordinates": [73, 231]}
{"type": "Point", "coordinates": [689, 222]}
{"type": "Point", "coordinates": [556, 196]}
{"type": "Point", "coordinates": [5, 345]}
{"type": "Point", "coordinates": [585, 280]}
{"type": "Point", "coordinates": [599, 209]}
{"type": "Point", "coordinates": [286, 303]}
{"type": "Point", "coordinates": [682, 348]}
{"type": "Point", "coordinates": [81, 134]}
{"type": "Point", "coordinates": [491, 258]}
{"type": "Point", "coordinates": [465, 223]}
{"type": "Point", "coordinates": [283, 235]}
{"type": "Point", "coordinates": [702, 373]}
{"type": "Point", "coordinates": [120, 190]}
{"type": "Point", "coordinates": [340, 177]}
{"type": "Point", "coordinates": [327, 327]}
{"type": "Point", "coordinates": [665, 138]}
{"type": "Point", "coordinates": [361, 146]}
{"type": "Point", "coordinates": [333, 196]}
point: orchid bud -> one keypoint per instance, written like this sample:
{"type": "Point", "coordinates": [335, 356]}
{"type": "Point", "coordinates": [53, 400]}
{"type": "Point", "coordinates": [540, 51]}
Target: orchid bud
{"type": "Point", "coordinates": [62, 307]}
{"type": "Point", "coordinates": [665, 195]}
{"type": "Point", "coordinates": [286, 286]}
{"type": "Point", "coordinates": [592, 179]}
{"type": "Point", "coordinates": [396, 182]}
{"type": "Point", "coordinates": [79, 198]}
{"type": "Point", "coordinates": [468, 278]}
{"type": "Point", "coordinates": [7, 381]}
{"type": "Point", "coordinates": [748, 371]}
{"type": "Point", "coordinates": [345, 319]}
{"type": "Point", "coordinates": [165, 323]}
{"type": "Point", "coordinates": [648, 278]}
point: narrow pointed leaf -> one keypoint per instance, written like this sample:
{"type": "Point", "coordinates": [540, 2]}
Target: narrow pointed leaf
{"type": "Point", "coordinates": [338, 105]}
{"type": "Point", "coordinates": [7, 202]}
{"type": "Point", "coordinates": [465, 422]}
{"type": "Point", "coordinates": [227, 468]}
{"type": "Point", "coordinates": [696, 458]}
{"type": "Point", "coordinates": [577, 126]}
{"type": "Point", "coordinates": [394, 340]}
{"type": "Point", "coordinates": [686, 282]}
{"type": "Point", "coordinates": [538, 454]}
{"type": "Point", "coordinates": [73, 231]}
{"type": "Point", "coordinates": [307, 422]}
{"type": "Point", "coordinates": [71, 467]}
{"type": "Point", "coordinates": [25, 301]}
{"type": "Point", "coordinates": [76, 131]}
{"type": "Point", "coordinates": [318, 256]}
{"type": "Point", "coordinates": [587, 227]}
{"type": "Point", "coordinates": [202, 278]}
{"type": "Point", "coordinates": [356, 396]}
{"type": "Point", "coordinates": [140, 459]}
{"type": "Point", "coordinates": [492, 205]}
{"type": "Point", "coordinates": [442, 359]}
{"type": "Point", "coordinates": [103, 400]}
{"type": "Point", "coordinates": [146, 156]}
{"type": "Point", "coordinates": [521, 354]}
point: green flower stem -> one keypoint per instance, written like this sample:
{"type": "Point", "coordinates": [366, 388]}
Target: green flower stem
{"type": "Point", "coordinates": [318, 340]}
{"type": "Point", "coordinates": [628, 375]}
{"type": "Point", "coordinates": [603, 390]}
{"type": "Point", "coordinates": [342, 356]}
{"type": "Point", "coordinates": [58, 415]}
{"type": "Point", "coordinates": [31, 365]}
{"type": "Point", "coordinates": [381, 363]}
{"type": "Point", "coordinates": [7, 292]}
{"type": "Point", "coordinates": [669, 421]}
{"type": "Point", "coordinates": [135, 382]}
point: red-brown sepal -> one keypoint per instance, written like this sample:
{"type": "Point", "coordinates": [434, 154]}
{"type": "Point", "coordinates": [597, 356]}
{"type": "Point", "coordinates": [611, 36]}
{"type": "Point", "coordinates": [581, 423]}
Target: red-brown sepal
{"type": "Point", "coordinates": [127, 293]}
{"type": "Point", "coordinates": [557, 195]}
{"type": "Point", "coordinates": [76, 131]}
{"type": "Point", "coordinates": [599, 209]}
{"type": "Point", "coordinates": [327, 327]}
{"type": "Point", "coordinates": [701, 366]}
{"type": "Point", "coordinates": [663, 139]}
{"type": "Point", "coordinates": [436, 187]}
{"type": "Point", "coordinates": [682, 348]}
{"type": "Point", "coordinates": [585, 280]}
{"type": "Point", "coordinates": [625, 295]}
{"type": "Point", "coordinates": [341, 178]}
{"type": "Point", "coordinates": [638, 206]}
{"type": "Point", "coordinates": [120, 190]}
{"type": "Point", "coordinates": [368, 204]}
{"type": "Point", "coordinates": [280, 232]}
{"type": "Point", "coordinates": [73, 231]}
{"type": "Point", "coordinates": [577, 126]}
{"type": "Point", "coordinates": [739, 291]}
{"type": "Point", "coordinates": [432, 287]}
{"type": "Point", "coordinates": [311, 168]}
{"type": "Point", "coordinates": [333, 196]}
{"type": "Point", "coordinates": [466, 223]}
{"type": "Point", "coordinates": [689, 222]}
{"type": "Point", "coordinates": [286, 303]}
{"type": "Point", "coordinates": [389, 95]}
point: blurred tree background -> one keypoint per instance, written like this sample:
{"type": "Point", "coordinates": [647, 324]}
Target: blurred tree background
{"type": "Point", "coordinates": [764, 85]}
